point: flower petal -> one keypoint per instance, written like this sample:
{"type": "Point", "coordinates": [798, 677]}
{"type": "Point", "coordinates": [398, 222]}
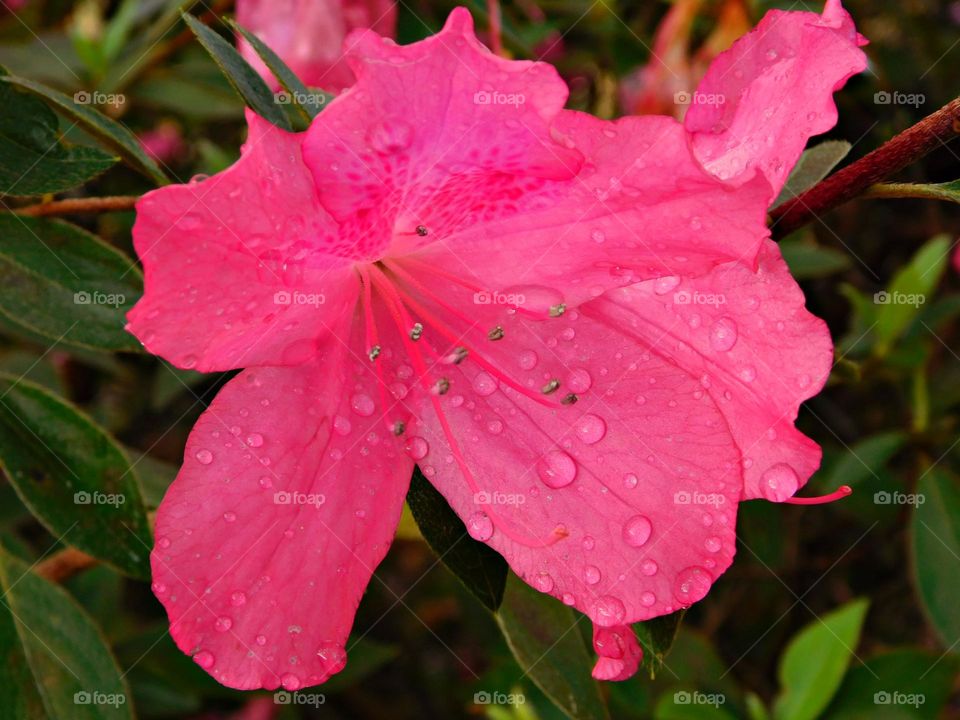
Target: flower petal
{"type": "Point", "coordinates": [761, 100]}
{"type": "Point", "coordinates": [287, 501]}
{"type": "Point", "coordinates": [622, 503]}
{"type": "Point", "coordinates": [618, 652]}
{"type": "Point", "coordinates": [243, 268]}
{"type": "Point", "coordinates": [756, 350]}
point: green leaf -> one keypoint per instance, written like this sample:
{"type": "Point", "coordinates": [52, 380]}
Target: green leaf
{"type": "Point", "coordinates": [307, 103]}
{"type": "Point", "coordinates": [656, 637]}
{"type": "Point", "coordinates": [73, 476]}
{"type": "Point", "coordinates": [56, 664]}
{"type": "Point", "coordinates": [154, 475]}
{"type": "Point", "coordinates": [813, 665]}
{"type": "Point", "coordinates": [245, 80]}
{"type": "Point", "coordinates": [909, 290]}
{"type": "Point", "coordinates": [32, 160]}
{"type": "Point", "coordinates": [907, 683]}
{"type": "Point", "coordinates": [948, 191]}
{"type": "Point", "coordinates": [66, 284]}
{"type": "Point", "coordinates": [111, 133]}
{"type": "Point", "coordinates": [814, 165]}
{"type": "Point", "coordinates": [479, 567]}
{"type": "Point", "coordinates": [691, 704]}
{"type": "Point", "coordinates": [808, 261]}
{"type": "Point", "coordinates": [935, 541]}
{"type": "Point", "coordinates": [543, 635]}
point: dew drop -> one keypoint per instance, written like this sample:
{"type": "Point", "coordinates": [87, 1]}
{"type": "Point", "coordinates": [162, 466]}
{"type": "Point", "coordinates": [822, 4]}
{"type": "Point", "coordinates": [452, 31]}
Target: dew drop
{"type": "Point", "coordinates": [480, 526]}
{"type": "Point", "coordinates": [484, 384]}
{"type": "Point", "coordinates": [204, 457]}
{"type": "Point", "coordinates": [692, 584]}
{"type": "Point", "coordinates": [649, 568]}
{"type": "Point", "coordinates": [636, 531]}
{"type": "Point", "coordinates": [723, 334]}
{"type": "Point", "coordinates": [591, 429]}
{"type": "Point", "coordinates": [579, 380]}
{"type": "Point", "coordinates": [362, 405]}
{"type": "Point", "coordinates": [229, 516]}
{"type": "Point", "coordinates": [341, 425]}
{"type": "Point", "coordinates": [204, 659]}
{"type": "Point", "coordinates": [648, 599]}
{"type": "Point", "coordinates": [591, 574]}
{"type": "Point", "coordinates": [238, 598]}
{"type": "Point", "coordinates": [556, 469]}
{"type": "Point", "coordinates": [290, 682]}
{"type": "Point", "coordinates": [712, 544]}
{"type": "Point", "coordinates": [417, 448]}
{"type": "Point", "coordinates": [223, 623]}
{"type": "Point", "coordinates": [779, 482]}
{"type": "Point", "coordinates": [630, 481]}
{"type": "Point", "coordinates": [608, 611]}
{"type": "Point", "coordinates": [528, 360]}
{"type": "Point", "coordinates": [255, 440]}
{"type": "Point", "coordinates": [543, 582]}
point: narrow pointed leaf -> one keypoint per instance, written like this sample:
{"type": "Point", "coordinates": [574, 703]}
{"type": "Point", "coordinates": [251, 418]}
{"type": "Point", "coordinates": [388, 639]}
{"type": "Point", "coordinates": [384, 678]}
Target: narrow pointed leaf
{"type": "Point", "coordinates": [56, 663]}
{"type": "Point", "coordinates": [245, 80]}
{"type": "Point", "coordinates": [72, 476]}
{"type": "Point", "coordinates": [66, 284]}
{"type": "Point", "coordinates": [110, 132]}
{"type": "Point", "coordinates": [814, 165]}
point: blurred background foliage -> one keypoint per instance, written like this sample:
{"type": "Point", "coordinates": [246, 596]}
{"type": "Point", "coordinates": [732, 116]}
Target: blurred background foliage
{"type": "Point", "coordinates": [827, 612]}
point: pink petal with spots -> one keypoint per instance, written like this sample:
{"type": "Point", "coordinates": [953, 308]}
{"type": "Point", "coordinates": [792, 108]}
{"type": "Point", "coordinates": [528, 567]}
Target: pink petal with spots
{"type": "Point", "coordinates": [618, 652]}
{"type": "Point", "coordinates": [761, 100]}
{"type": "Point", "coordinates": [476, 152]}
{"type": "Point", "coordinates": [308, 35]}
{"type": "Point", "coordinates": [289, 496]}
{"type": "Point", "coordinates": [756, 351]}
{"type": "Point", "coordinates": [243, 268]}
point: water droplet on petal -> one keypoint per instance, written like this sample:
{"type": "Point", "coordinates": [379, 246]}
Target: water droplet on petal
{"type": "Point", "coordinates": [712, 544]}
{"type": "Point", "coordinates": [223, 623]}
{"type": "Point", "coordinates": [362, 405]}
{"type": "Point", "coordinates": [630, 481]}
{"type": "Point", "coordinates": [636, 531]}
{"type": "Point", "coordinates": [238, 598]}
{"type": "Point", "coordinates": [290, 682]}
{"type": "Point", "coordinates": [204, 659]}
{"type": "Point", "coordinates": [417, 448]}
{"type": "Point", "coordinates": [591, 429]}
{"type": "Point", "coordinates": [591, 574]}
{"type": "Point", "coordinates": [723, 334]}
{"type": "Point", "coordinates": [391, 136]}
{"type": "Point", "coordinates": [229, 516]}
{"type": "Point", "coordinates": [579, 380]}
{"type": "Point", "coordinates": [204, 457]}
{"type": "Point", "coordinates": [648, 599]}
{"type": "Point", "coordinates": [528, 360]}
{"type": "Point", "coordinates": [480, 526]}
{"type": "Point", "coordinates": [608, 611]}
{"type": "Point", "coordinates": [692, 584]}
{"type": "Point", "coordinates": [255, 440]}
{"type": "Point", "coordinates": [543, 582]}
{"type": "Point", "coordinates": [649, 567]}
{"type": "Point", "coordinates": [779, 482]}
{"type": "Point", "coordinates": [556, 469]}
{"type": "Point", "coordinates": [341, 425]}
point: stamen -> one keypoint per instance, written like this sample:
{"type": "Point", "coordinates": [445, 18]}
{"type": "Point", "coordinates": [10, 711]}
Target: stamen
{"type": "Point", "coordinates": [422, 230]}
{"type": "Point", "coordinates": [838, 494]}
{"type": "Point", "coordinates": [374, 353]}
{"type": "Point", "coordinates": [550, 387]}
{"type": "Point", "coordinates": [441, 387]}
{"type": "Point", "coordinates": [371, 338]}
{"type": "Point", "coordinates": [569, 399]}
{"type": "Point", "coordinates": [458, 355]}
{"type": "Point", "coordinates": [399, 427]}
{"type": "Point", "coordinates": [401, 318]}
{"type": "Point", "coordinates": [496, 333]}
{"type": "Point", "coordinates": [557, 310]}
{"type": "Point", "coordinates": [416, 331]}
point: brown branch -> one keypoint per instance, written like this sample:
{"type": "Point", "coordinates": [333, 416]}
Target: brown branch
{"type": "Point", "coordinates": [909, 146]}
{"type": "Point", "coordinates": [64, 564]}
{"type": "Point", "coordinates": [79, 205]}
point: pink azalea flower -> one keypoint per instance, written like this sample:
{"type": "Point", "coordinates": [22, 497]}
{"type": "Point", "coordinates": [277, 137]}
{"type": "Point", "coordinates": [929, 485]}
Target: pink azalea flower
{"type": "Point", "coordinates": [579, 330]}
{"type": "Point", "coordinates": [308, 35]}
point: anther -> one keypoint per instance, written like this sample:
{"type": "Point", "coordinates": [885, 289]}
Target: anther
{"type": "Point", "coordinates": [558, 310]}
{"type": "Point", "coordinates": [422, 230]}
{"type": "Point", "coordinates": [569, 399]}
{"type": "Point", "coordinates": [458, 355]}
{"type": "Point", "coordinates": [442, 386]}
{"type": "Point", "coordinates": [550, 387]}
{"type": "Point", "coordinates": [399, 427]}
{"type": "Point", "coordinates": [496, 333]}
{"type": "Point", "coordinates": [374, 353]}
{"type": "Point", "coordinates": [416, 331]}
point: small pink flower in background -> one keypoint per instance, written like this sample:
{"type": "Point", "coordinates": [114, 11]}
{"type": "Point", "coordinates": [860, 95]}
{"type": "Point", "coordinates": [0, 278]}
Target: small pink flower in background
{"type": "Point", "coordinates": [665, 83]}
{"type": "Point", "coordinates": [164, 143]}
{"type": "Point", "coordinates": [308, 34]}
{"type": "Point", "coordinates": [577, 328]}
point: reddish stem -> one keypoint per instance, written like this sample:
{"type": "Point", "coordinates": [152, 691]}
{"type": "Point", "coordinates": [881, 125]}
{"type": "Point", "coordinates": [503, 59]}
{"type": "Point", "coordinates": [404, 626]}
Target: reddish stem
{"type": "Point", "coordinates": [79, 205]}
{"type": "Point", "coordinates": [909, 146]}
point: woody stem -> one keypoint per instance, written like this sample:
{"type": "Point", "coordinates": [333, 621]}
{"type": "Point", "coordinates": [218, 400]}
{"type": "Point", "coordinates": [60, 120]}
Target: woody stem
{"type": "Point", "coordinates": [79, 205]}
{"type": "Point", "coordinates": [932, 132]}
